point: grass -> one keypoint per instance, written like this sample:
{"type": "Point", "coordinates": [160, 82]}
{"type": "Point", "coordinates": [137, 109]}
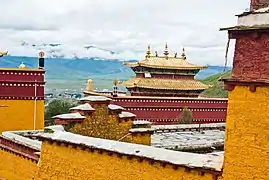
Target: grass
{"type": "Point", "coordinates": [216, 87]}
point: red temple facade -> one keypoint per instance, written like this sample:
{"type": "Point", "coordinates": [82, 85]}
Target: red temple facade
{"type": "Point", "coordinates": [21, 83]}
{"type": "Point", "coordinates": [22, 92]}
{"type": "Point", "coordinates": [162, 87]}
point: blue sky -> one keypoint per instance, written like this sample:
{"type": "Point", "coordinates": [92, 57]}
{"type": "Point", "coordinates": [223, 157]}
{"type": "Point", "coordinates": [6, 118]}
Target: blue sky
{"type": "Point", "coordinates": [123, 26]}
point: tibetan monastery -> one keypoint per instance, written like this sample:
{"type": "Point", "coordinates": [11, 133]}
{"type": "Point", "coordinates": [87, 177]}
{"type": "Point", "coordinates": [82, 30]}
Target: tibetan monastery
{"type": "Point", "coordinates": [54, 153]}
{"type": "Point", "coordinates": [163, 85]}
{"type": "Point", "coordinates": [169, 76]}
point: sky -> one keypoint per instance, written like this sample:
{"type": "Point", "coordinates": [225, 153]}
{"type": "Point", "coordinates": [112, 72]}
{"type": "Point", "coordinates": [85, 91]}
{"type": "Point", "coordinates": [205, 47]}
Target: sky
{"type": "Point", "coordinates": [122, 26]}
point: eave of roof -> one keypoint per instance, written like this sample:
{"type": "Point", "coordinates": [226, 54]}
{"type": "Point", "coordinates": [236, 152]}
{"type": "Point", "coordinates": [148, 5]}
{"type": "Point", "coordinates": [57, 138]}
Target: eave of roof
{"type": "Point", "coordinates": [245, 28]}
{"type": "Point", "coordinates": [168, 84]}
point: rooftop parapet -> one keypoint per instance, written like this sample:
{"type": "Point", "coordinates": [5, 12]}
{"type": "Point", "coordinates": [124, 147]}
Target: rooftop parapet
{"type": "Point", "coordinates": [83, 107]}
{"type": "Point", "coordinates": [206, 162]}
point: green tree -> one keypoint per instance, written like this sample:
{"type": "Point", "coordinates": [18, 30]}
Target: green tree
{"type": "Point", "coordinates": [56, 107]}
{"type": "Point", "coordinates": [186, 117]}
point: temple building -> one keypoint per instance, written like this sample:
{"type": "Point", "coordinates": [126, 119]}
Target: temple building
{"type": "Point", "coordinates": [164, 75]}
{"type": "Point", "coordinates": [163, 86]}
{"type": "Point", "coordinates": [22, 97]}
{"type": "Point", "coordinates": [53, 153]}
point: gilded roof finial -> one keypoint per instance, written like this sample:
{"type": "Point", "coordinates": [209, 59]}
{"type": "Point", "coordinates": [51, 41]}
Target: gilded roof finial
{"type": "Point", "coordinates": [183, 54]}
{"type": "Point", "coordinates": [166, 53]}
{"type": "Point", "coordinates": [156, 54]}
{"type": "Point", "coordinates": [148, 52]}
{"type": "Point", "coordinates": [89, 85]}
{"type": "Point", "coordinates": [117, 82]}
{"type": "Point", "coordinates": [21, 66]}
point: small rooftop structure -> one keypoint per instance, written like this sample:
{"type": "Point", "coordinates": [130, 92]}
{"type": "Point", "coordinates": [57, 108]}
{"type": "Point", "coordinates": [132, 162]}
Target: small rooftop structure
{"type": "Point", "coordinates": [126, 115]}
{"type": "Point", "coordinates": [141, 122]}
{"type": "Point", "coordinates": [252, 20]}
{"type": "Point", "coordinates": [141, 130]}
{"type": "Point", "coordinates": [115, 107]}
{"type": "Point", "coordinates": [95, 98]}
{"type": "Point", "coordinates": [83, 107]}
{"type": "Point", "coordinates": [69, 116]}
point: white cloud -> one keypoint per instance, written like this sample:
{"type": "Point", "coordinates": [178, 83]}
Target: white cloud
{"type": "Point", "coordinates": [122, 26]}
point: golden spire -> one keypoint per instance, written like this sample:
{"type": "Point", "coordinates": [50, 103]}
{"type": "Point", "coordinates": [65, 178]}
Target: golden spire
{"type": "Point", "coordinates": [116, 82]}
{"type": "Point", "coordinates": [166, 52]}
{"type": "Point", "coordinates": [3, 54]}
{"type": "Point", "coordinates": [148, 52]}
{"type": "Point", "coordinates": [22, 66]}
{"type": "Point", "coordinates": [156, 54]}
{"type": "Point", "coordinates": [89, 85]}
{"type": "Point", "coordinates": [41, 54]}
{"type": "Point", "coordinates": [183, 55]}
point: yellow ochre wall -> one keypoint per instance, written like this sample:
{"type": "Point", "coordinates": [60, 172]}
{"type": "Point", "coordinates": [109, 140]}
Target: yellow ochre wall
{"type": "Point", "coordinates": [61, 162]}
{"type": "Point", "coordinates": [19, 115]}
{"type": "Point", "coordinates": [14, 167]}
{"type": "Point", "coordinates": [247, 135]}
{"type": "Point", "coordinates": [141, 138]}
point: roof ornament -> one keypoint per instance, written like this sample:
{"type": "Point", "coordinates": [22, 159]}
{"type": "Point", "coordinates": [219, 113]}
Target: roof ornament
{"type": "Point", "coordinates": [41, 60]}
{"type": "Point", "coordinates": [116, 82]}
{"type": "Point", "coordinates": [183, 54]}
{"type": "Point", "coordinates": [89, 85]}
{"type": "Point", "coordinates": [156, 54]}
{"type": "Point", "coordinates": [166, 52]}
{"type": "Point", "coordinates": [21, 66]}
{"type": "Point", "coordinates": [148, 52]}
{"type": "Point", "coordinates": [3, 53]}
{"type": "Point", "coordinates": [175, 55]}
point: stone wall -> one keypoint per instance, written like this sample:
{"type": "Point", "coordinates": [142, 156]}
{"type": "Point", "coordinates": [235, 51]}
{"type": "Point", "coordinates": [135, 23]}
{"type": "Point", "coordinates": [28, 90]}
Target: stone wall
{"type": "Point", "coordinates": [247, 134]}
{"type": "Point", "coordinates": [63, 161]}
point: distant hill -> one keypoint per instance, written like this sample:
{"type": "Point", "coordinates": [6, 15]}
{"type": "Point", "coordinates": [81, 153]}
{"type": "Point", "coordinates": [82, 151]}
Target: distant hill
{"type": "Point", "coordinates": [216, 89]}
{"type": "Point", "coordinates": [62, 73]}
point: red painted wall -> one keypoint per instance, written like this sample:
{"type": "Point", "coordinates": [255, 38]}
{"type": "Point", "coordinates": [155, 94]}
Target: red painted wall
{"type": "Point", "coordinates": [251, 58]}
{"type": "Point", "coordinates": [167, 110]}
{"type": "Point", "coordinates": [21, 76]}
{"type": "Point", "coordinates": [20, 84]}
{"type": "Point", "coordinates": [21, 91]}
{"type": "Point", "coordinates": [256, 4]}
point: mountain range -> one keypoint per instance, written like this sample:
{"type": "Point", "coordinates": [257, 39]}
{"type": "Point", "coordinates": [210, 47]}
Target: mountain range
{"type": "Point", "coordinates": [72, 73]}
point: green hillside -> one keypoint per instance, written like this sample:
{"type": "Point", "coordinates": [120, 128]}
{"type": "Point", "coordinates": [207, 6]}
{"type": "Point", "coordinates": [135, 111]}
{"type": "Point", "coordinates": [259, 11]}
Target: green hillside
{"type": "Point", "coordinates": [216, 86]}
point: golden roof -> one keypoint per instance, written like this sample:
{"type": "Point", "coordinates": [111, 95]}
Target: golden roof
{"type": "Point", "coordinates": [3, 53]}
{"type": "Point", "coordinates": [167, 84]}
{"type": "Point", "coordinates": [165, 62]}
